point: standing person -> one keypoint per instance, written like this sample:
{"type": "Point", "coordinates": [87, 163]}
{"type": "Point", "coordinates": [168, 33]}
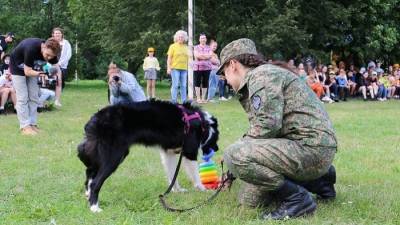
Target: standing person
{"type": "Point", "coordinates": [26, 63]}
{"type": "Point", "coordinates": [4, 41]}
{"type": "Point", "coordinates": [214, 78]}
{"type": "Point", "coordinates": [66, 53]}
{"type": "Point", "coordinates": [150, 67]}
{"type": "Point", "coordinates": [290, 145]}
{"type": "Point", "coordinates": [123, 86]}
{"type": "Point", "coordinates": [201, 68]}
{"type": "Point", "coordinates": [177, 64]}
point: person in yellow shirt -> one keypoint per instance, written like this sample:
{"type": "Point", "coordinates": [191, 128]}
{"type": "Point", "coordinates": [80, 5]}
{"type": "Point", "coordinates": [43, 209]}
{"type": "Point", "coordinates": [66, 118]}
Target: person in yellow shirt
{"type": "Point", "coordinates": [177, 64]}
{"type": "Point", "coordinates": [150, 67]}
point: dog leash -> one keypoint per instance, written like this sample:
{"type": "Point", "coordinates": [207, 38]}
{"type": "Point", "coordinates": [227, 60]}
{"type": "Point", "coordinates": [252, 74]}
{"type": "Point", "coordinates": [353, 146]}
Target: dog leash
{"type": "Point", "coordinates": [228, 177]}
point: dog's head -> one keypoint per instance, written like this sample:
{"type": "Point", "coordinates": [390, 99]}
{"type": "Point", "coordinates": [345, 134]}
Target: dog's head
{"type": "Point", "coordinates": [210, 133]}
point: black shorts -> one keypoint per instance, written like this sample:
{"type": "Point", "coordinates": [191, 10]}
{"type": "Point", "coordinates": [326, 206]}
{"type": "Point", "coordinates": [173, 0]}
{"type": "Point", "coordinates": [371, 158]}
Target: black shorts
{"type": "Point", "coordinates": [201, 78]}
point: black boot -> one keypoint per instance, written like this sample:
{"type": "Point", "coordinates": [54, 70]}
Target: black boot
{"type": "Point", "coordinates": [323, 186]}
{"type": "Point", "coordinates": [295, 201]}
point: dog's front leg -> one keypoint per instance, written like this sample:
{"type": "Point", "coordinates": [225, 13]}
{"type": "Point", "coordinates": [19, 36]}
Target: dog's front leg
{"type": "Point", "coordinates": [168, 159]}
{"type": "Point", "coordinates": [192, 171]}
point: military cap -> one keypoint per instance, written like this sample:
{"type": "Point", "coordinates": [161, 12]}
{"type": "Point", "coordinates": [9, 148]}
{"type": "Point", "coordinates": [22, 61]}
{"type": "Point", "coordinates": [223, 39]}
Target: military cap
{"type": "Point", "coordinates": [235, 48]}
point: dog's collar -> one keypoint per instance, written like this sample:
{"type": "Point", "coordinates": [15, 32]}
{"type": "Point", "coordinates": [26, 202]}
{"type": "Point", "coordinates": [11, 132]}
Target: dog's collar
{"type": "Point", "coordinates": [187, 118]}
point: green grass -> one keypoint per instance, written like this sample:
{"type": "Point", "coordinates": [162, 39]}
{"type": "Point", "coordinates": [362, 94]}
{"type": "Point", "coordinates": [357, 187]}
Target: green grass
{"type": "Point", "coordinates": [41, 178]}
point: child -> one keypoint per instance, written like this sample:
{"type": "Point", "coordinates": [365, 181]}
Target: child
{"type": "Point", "coordinates": [343, 85]}
{"type": "Point", "coordinates": [150, 67]}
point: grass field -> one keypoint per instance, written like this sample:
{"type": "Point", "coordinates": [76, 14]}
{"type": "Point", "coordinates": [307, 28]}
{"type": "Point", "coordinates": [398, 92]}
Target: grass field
{"type": "Point", "coordinates": [41, 178]}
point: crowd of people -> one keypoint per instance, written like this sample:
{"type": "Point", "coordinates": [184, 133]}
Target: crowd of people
{"type": "Point", "coordinates": [32, 76]}
{"type": "Point", "coordinates": [334, 83]}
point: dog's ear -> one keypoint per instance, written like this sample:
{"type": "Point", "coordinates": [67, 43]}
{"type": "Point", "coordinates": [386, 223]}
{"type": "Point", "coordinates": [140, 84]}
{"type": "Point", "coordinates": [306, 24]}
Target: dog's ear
{"type": "Point", "coordinates": [191, 144]}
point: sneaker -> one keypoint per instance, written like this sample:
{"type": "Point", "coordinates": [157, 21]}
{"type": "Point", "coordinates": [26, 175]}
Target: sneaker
{"type": "Point", "coordinates": [29, 131]}
{"type": "Point", "coordinates": [223, 99]}
{"type": "Point", "coordinates": [2, 111]}
{"type": "Point", "coordinates": [57, 103]}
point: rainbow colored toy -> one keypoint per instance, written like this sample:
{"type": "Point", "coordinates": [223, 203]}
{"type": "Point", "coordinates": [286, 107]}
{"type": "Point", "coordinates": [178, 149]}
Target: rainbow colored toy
{"type": "Point", "coordinates": [208, 175]}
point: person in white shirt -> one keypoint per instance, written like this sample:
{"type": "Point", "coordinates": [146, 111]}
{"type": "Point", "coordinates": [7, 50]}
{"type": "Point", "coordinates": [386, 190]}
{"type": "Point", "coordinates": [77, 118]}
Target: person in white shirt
{"type": "Point", "coordinates": [150, 67]}
{"type": "Point", "coordinates": [65, 56]}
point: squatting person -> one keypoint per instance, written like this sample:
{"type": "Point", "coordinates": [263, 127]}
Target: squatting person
{"type": "Point", "coordinates": [290, 145]}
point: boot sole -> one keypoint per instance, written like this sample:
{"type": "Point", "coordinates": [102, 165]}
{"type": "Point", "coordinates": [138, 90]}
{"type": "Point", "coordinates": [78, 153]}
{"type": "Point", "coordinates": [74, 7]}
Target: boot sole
{"type": "Point", "coordinates": [307, 211]}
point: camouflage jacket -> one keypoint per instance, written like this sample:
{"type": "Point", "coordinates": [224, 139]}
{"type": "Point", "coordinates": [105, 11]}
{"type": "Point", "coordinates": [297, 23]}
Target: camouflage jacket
{"type": "Point", "coordinates": [279, 105]}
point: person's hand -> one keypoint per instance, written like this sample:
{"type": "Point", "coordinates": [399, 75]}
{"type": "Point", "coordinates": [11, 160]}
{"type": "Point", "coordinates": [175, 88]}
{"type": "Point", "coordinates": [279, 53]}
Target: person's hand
{"type": "Point", "coordinates": [169, 71]}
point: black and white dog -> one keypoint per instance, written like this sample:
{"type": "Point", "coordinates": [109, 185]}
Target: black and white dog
{"type": "Point", "coordinates": [111, 131]}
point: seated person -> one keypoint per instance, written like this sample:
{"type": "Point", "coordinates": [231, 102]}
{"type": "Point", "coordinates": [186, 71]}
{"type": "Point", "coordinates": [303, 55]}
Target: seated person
{"type": "Point", "coordinates": [5, 64]}
{"type": "Point", "coordinates": [45, 95]}
{"type": "Point", "coordinates": [123, 86]}
{"type": "Point", "coordinates": [343, 84]}
{"type": "Point", "coordinates": [54, 74]}
{"type": "Point", "coordinates": [7, 91]}
{"type": "Point", "coordinates": [314, 83]}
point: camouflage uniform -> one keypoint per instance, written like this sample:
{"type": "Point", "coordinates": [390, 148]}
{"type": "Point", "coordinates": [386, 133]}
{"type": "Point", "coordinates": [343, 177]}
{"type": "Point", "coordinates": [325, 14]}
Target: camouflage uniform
{"type": "Point", "coordinates": [290, 134]}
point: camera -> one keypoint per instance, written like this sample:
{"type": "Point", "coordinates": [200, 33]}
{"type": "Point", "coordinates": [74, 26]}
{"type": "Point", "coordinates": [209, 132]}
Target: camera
{"type": "Point", "coordinates": [47, 81]}
{"type": "Point", "coordinates": [116, 78]}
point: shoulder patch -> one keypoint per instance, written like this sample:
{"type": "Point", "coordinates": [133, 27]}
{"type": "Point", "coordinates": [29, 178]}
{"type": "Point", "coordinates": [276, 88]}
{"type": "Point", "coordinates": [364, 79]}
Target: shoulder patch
{"type": "Point", "coordinates": [256, 102]}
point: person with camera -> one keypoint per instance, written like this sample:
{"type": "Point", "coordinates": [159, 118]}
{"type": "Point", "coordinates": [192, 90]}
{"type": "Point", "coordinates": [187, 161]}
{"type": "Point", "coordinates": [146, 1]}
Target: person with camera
{"type": "Point", "coordinates": [26, 64]}
{"type": "Point", "coordinates": [123, 86]}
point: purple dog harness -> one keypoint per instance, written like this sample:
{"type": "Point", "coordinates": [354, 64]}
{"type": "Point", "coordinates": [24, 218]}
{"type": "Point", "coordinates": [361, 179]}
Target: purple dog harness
{"type": "Point", "coordinates": [187, 118]}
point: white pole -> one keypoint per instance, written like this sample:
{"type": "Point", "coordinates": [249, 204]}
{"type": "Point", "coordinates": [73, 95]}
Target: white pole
{"type": "Point", "coordinates": [76, 57]}
{"type": "Point", "coordinates": [190, 45]}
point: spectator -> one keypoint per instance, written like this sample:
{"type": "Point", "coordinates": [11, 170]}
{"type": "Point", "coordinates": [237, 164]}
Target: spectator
{"type": "Point", "coordinates": [202, 68]}
{"type": "Point", "coordinates": [342, 84]}
{"type": "Point", "coordinates": [5, 65]}
{"type": "Point", "coordinates": [323, 77]}
{"type": "Point", "coordinates": [378, 68]}
{"type": "Point", "coordinates": [66, 53]}
{"type": "Point", "coordinates": [313, 82]}
{"type": "Point", "coordinates": [26, 63]}
{"type": "Point", "coordinates": [45, 95]}
{"type": "Point", "coordinates": [123, 86]}
{"type": "Point", "coordinates": [4, 41]}
{"type": "Point", "coordinates": [382, 87]}
{"type": "Point", "coordinates": [364, 84]}
{"type": "Point", "coordinates": [391, 86]}
{"type": "Point", "coordinates": [351, 80]}
{"type": "Point", "coordinates": [7, 91]}
{"type": "Point", "coordinates": [177, 62]}
{"type": "Point", "coordinates": [214, 78]}
{"type": "Point", "coordinates": [301, 72]}
{"type": "Point", "coordinates": [333, 87]}
{"type": "Point", "coordinates": [150, 67]}
{"type": "Point", "coordinates": [373, 84]}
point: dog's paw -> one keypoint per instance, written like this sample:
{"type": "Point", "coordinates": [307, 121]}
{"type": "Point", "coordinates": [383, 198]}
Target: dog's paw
{"type": "Point", "coordinates": [200, 187]}
{"type": "Point", "coordinates": [95, 208]}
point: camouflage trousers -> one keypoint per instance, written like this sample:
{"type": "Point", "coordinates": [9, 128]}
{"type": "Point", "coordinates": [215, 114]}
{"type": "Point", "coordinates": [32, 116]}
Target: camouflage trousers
{"type": "Point", "coordinates": [263, 164]}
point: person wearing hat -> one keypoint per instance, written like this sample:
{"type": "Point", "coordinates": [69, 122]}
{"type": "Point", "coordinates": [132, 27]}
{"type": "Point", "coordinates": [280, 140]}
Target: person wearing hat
{"type": "Point", "coordinates": [4, 41]}
{"type": "Point", "coordinates": [150, 68]}
{"type": "Point", "coordinates": [289, 147]}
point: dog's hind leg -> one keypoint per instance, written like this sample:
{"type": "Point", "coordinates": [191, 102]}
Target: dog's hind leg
{"type": "Point", "coordinates": [192, 171]}
{"type": "Point", "coordinates": [168, 159]}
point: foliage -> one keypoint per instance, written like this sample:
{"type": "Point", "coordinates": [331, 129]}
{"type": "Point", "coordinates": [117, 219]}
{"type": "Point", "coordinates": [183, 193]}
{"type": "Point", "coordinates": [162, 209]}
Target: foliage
{"type": "Point", "coordinates": [105, 30]}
